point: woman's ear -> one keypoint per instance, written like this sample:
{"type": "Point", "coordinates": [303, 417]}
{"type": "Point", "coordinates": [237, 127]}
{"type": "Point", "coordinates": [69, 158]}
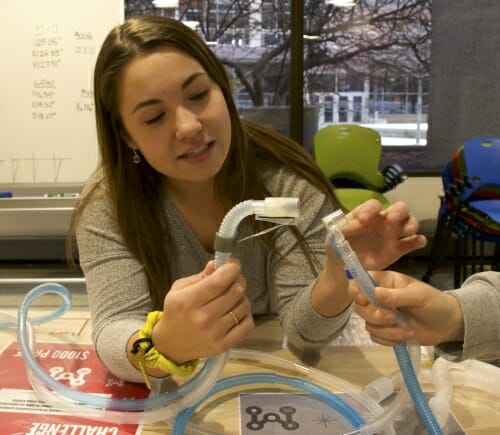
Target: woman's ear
{"type": "Point", "coordinates": [127, 139]}
{"type": "Point", "coordinates": [136, 157]}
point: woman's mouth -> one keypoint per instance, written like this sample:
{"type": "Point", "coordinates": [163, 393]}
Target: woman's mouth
{"type": "Point", "coordinates": [197, 152]}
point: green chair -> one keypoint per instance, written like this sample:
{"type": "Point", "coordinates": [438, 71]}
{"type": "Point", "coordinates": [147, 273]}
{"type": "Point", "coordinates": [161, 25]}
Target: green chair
{"type": "Point", "coordinates": [349, 155]}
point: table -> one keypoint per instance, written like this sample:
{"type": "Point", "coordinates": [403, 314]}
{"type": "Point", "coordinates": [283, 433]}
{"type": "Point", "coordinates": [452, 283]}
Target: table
{"type": "Point", "coordinates": [478, 412]}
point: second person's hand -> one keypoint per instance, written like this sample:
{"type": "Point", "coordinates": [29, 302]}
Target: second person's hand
{"type": "Point", "coordinates": [433, 316]}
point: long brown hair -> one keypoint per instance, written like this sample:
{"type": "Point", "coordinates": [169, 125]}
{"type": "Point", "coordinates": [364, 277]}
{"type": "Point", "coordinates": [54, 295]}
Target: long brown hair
{"type": "Point", "coordinates": [135, 190]}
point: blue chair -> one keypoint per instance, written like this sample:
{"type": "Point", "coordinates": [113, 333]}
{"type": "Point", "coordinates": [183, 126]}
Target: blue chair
{"type": "Point", "coordinates": [469, 209]}
{"type": "Point", "coordinates": [479, 160]}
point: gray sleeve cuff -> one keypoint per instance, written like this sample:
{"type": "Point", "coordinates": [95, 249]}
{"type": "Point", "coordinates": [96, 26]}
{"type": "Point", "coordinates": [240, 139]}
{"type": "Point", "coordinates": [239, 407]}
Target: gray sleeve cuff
{"type": "Point", "coordinates": [480, 306]}
{"type": "Point", "coordinates": [111, 349]}
{"type": "Point", "coordinates": [317, 330]}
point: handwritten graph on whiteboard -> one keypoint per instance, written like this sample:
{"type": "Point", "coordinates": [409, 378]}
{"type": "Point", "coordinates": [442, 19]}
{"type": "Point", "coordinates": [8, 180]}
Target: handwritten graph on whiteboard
{"type": "Point", "coordinates": [47, 125]}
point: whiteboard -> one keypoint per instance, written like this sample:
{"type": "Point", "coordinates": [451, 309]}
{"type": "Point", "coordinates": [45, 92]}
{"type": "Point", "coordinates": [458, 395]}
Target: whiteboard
{"type": "Point", "coordinates": [48, 52]}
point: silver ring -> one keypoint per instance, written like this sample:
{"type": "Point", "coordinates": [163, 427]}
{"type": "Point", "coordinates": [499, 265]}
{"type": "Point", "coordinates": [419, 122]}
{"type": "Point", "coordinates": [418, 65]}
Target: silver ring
{"type": "Point", "coordinates": [236, 321]}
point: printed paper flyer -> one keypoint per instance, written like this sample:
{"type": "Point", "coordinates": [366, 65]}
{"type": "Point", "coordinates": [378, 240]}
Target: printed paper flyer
{"type": "Point", "coordinates": [22, 413]}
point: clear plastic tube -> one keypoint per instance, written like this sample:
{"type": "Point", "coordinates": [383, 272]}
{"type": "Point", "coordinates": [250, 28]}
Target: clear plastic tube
{"type": "Point", "coordinates": [162, 406]}
{"type": "Point", "coordinates": [269, 208]}
{"type": "Point", "coordinates": [440, 402]}
{"type": "Point", "coordinates": [397, 405]}
{"type": "Point", "coordinates": [344, 411]}
{"type": "Point", "coordinates": [469, 373]}
{"type": "Point", "coordinates": [475, 374]}
{"type": "Point", "coordinates": [331, 383]}
{"type": "Point", "coordinates": [334, 223]}
{"type": "Point", "coordinates": [318, 376]}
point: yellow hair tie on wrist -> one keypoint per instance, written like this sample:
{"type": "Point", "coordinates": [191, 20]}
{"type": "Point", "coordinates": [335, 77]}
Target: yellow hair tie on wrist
{"type": "Point", "coordinates": [145, 354]}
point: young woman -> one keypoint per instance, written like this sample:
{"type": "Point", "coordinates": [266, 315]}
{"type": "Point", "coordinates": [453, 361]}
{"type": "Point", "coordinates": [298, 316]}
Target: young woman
{"type": "Point", "coordinates": [175, 158]}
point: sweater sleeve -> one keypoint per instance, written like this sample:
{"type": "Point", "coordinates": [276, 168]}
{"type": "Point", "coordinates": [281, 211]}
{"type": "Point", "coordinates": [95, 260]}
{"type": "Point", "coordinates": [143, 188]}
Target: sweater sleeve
{"type": "Point", "coordinates": [116, 285]}
{"type": "Point", "coordinates": [291, 277]}
{"type": "Point", "coordinates": [479, 299]}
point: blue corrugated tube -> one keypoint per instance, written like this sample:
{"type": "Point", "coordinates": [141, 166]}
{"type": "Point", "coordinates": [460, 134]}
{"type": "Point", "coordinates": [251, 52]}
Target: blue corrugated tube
{"type": "Point", "coordinates": [341, 247]}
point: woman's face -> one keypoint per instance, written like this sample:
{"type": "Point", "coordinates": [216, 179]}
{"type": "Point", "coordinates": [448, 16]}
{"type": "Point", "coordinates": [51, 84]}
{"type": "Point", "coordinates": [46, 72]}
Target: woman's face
{"type": "Point", "coordinates": [176, 115]}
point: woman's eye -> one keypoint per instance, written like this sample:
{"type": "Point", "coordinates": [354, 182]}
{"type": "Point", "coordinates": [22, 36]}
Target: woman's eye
{"type": "Point", "coordinates": [155, 119]}
{"type": "Point", "coordinates": [199, 96]}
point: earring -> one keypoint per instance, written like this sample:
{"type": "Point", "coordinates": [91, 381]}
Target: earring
{"type": "Point", "coordinates": [136, 158]}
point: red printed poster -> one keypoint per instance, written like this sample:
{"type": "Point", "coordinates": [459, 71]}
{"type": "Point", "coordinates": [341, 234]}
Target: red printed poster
{"type": "Point", "coordinates": [22, 413]}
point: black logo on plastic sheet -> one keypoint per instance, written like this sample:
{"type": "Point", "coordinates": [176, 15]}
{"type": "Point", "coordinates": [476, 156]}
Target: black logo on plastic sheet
{"type": "Point", "coordinates": [287, 422]}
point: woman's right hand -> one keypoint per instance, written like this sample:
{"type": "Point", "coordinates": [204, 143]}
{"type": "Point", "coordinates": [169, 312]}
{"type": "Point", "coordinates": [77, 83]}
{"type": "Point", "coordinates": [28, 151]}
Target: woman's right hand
{"type": "Point", "coordinates": [205, 314]}
{"type": "Point", "coordinates": [433, 316]}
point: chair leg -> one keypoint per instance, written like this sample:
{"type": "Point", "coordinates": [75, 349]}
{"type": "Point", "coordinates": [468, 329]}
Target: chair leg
{"type": "Point", "coordinates": [457, 261]}
{"type": "Point", "coordinates": [461, 257]}
{"type": "Point", "coordinates": [482, 257]}
{"type": "Point", "coordinates": [473, 255]}
{"type": "Point", "coordinates": [441, 236]}
{"type": "Point", "coordinates": [465, 255]}
{"type": "Point", "coordinates": [496, 258]}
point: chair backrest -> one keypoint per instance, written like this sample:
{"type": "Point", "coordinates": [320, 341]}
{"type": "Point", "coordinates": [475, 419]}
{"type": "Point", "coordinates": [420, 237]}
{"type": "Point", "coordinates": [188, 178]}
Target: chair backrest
{"type": "Point", "coordinates": [452, 176]}
{"type": "Point", "coordinates": [480, 166]}
{"type": "Point", "coordinates": [349, 152]}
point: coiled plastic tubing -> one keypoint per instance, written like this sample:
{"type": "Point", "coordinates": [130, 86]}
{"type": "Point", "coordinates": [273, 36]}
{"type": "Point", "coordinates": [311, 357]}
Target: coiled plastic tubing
{"type": "Point", "coordinates": [163, 407]}
{"type": "Point", "coordinates": [180, 403]}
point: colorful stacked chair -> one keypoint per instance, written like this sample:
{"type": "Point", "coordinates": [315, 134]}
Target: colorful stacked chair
{"type": "Point", "coordinates": [470, 209]}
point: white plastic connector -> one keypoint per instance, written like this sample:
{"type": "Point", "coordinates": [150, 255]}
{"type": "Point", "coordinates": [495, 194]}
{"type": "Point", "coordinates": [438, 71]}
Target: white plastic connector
{"type": "Point", "coordinates": [380, 389]}
{"type": "Point", "coordinates": [276, 209]}
{"type": "Point", "coordinates": [334, 222]}
{"type": "Point", "coordinates": [336, 218]}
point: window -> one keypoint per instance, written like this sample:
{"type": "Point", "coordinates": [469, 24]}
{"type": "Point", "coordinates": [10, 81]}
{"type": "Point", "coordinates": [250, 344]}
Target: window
{"type": "Point", "coordinates": [328, 109]}
{"type": "Point", "coordinates": [368, 64]}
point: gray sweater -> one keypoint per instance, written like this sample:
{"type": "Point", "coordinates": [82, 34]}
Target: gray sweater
{"type": "Point", "coordinates": [479, 298]}
{"type": "Point", "coordinates": [118, 290]}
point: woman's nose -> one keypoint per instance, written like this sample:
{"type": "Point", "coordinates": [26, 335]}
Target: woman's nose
{"type": "Point", "coordinates": [187, 124]}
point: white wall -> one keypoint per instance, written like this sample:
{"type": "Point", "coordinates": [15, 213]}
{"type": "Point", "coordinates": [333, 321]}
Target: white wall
{"type": "Point", "coordinates": [35, 216]}
{"type": "Point", "coordinates": [50, 216]}
{"type": "Point", "coordinates": [41, 224]}
{"type": "Point", "coordinates": [422, 195]}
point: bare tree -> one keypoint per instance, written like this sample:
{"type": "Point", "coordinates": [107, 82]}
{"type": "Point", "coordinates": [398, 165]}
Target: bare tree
{"type": "Point", "coordinates": [371, 39]}
{"type": "Point", "coordinates": [134, 8]}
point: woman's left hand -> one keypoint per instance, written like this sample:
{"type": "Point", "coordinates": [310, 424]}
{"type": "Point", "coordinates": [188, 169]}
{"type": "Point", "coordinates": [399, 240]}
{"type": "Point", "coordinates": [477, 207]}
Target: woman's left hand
{"type": "Point", "coordinates": [380, 237]}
